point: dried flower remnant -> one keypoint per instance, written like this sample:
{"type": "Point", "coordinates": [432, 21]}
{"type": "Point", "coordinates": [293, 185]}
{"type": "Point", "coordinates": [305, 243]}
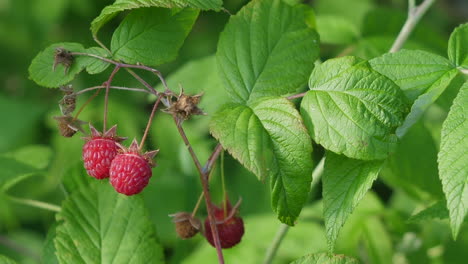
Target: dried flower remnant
{"type": "Point", "coordinates": [68, 103]}
{"type": "Point", "coordinates": [186, 225]}
{"type": "Point", "coordinates": [64, 57]}
{"type": "Point", "coordinates": [185, 106]}
{"type": "Point", "coordinates": [68, 125]}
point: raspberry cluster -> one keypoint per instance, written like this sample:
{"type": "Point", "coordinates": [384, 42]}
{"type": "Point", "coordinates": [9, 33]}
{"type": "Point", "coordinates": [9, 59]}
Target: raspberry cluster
{"type": "Point", "coordinates": [129, 170]}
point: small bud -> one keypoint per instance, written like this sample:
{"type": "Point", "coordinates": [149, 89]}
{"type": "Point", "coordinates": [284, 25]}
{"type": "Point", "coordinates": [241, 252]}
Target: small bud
{"type": "Point", "coordinates": [68, 102]}
{"type": "Point", "coordinates": [64, 57]}
{"type": "Point", "coordinates": [186, 106]}
{"type": "Point", "coordinates": [186, 225]}
{"type": "Point", "coordinates": [68, 125]}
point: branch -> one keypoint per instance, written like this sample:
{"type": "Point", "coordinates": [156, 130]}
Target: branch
{"type": "Point", "coordinates": [112, 87]}
{"type": "Point", "coordinates": [415, 14]}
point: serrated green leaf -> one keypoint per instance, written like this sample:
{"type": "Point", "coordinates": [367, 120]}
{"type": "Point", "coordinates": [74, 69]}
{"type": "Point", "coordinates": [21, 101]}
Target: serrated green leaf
{"type": "Point", "coordinates": [36, 156]}
{"type": "Point", "coordinates": [453, 160]}
{"type": "Point", "coordinates": [121, 5]}
{"type": "Point", "coordinates": [336, 30]}
{"type": "Point", "coordinates": [269, 139]}
{"type": "Point", "coordinates": [325, 258]}
{"type": "Point", "coordinates": [76, 178]}
{"type": "Point", "coordinates": [13, 172]}
{"type": "Point", "coordinates": [95, 66]}
{"type": "Point", "coordinates": [48, 251]}
{"type": "Point", "coordinates": [98, 225]}
{"type": "Point", "coordinates": [425, 100]}
{"type": "Point", "coordinates": [458, 47]}
{"type": "Point", "coordinates": [413, 166]}
{"type": "Point", "coordinates": [435, 211]}
{"type": "Point", "coordinates": [353, 110]}
{"type": "Point", "coordinates": [41, 71]}
{"type": "Point", "coordinates": [152, 36]}
{"type": "Point", "coordinates": [267, 49]}
{"type": "Point", "coordinates": [345, 182]}
{"type": "Point", "coordinates": [5, 260]}
{"type": "Point", "coordinates": [413, 70]}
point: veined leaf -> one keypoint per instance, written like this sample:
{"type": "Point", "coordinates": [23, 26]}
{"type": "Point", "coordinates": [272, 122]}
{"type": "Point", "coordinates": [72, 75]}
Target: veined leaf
{"type": "Point", "coordinates": [413, 70]}
{"type": "Point", "coordinates": [457, 47]}
{"type": "Point", "coordinates": [269, 139]}
{"type": "Point", "coordinates": [453, 160]}
{"type": "Point", "coordinates": [120, 5]}
{"type": "Point", "coordinates": [13, 171]}
{"type": "Point", "coordinates": [41, 70]}
{"type": "Point", "coordinates": [325, 258]}
{"type": "Point", "coordinates": [353, 110]}
{"type": "Point", "coordinates": [425, 100]}
{"type": "Point", "coordinates": [336, 30]}
{"type": "Point", "coordinates": [95, 66]}
{"type": "Point", "coordinates": [345, 182]}
{"type": "Point", "coordinates": [267, 49]}
{"type": "Point", "coordinates": [152, 36]}
{"type": "Point", "coordinates": [435, 211]}
{"type": "Point", "coordinates": [98, 225]}
{"type": "Point", "coordinates": [48, 251]}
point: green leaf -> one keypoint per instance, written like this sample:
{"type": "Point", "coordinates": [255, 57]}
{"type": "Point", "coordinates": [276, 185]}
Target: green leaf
{"type": "Point", "coordinates": [120, 5]}
{"type": "Point", "coordinates": [425, 100]}
{"type": "Point", "coordinates": [435, 211]}
{"type": "Point", "coordinates": [345, 182]}
{"type": "Point", "coordinates": [98, 225]}
{"type": "Point", "coordinates": [95, 66]}
{"type": "Point", "coordinates": [5, 260]}
{"type": "Point", "coordinates": [453, 160]}
{"type": "Point", "coordinates": [266, 49]}
{"type": "Point", "coordinates": [413, 70]}
{"type": "Point", "coordinates": [41, 71]}
{"type": "Point", "coordinates": [353, 11]}
{"type": "Point", "coordinates": [269, 139]}
{"type": "Point", "coordinates": [13, 172]}
{"type": "Point", "coordinates": [353, 110]}
{"type": "Point", "coordinates": [377, 45]}
{"type": "Point", "coordinates": [325, 258]}
{"type": "Point", "coordinates": [377, 241]}
{"type": "Point", "coordinates": [48, 251]}
{"type": "Point", "coordinates": [75, 178]}
{"type": "Point", "coordinates": [457, 47]}
{"type": "Point", "coordinates": [336, 30]}
{"type": "Point", "coordinates": [152, 36]}
{"type": "Point", "coordinates": [36, 156]}
{"type": "Point", "coordinates": [413, 166]}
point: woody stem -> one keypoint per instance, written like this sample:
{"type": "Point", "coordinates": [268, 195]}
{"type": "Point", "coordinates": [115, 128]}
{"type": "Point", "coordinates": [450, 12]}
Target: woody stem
{"type": "Point", "coordinates": [203, 173]}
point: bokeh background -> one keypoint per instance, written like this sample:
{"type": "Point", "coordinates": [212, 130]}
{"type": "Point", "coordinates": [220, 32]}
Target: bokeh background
{"type": "Point", "coordinates": [35, 160]}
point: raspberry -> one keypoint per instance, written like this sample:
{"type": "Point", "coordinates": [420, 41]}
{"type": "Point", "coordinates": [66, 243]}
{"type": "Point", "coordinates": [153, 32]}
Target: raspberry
{"type": "Point", "coordinates": [230, 226]}
{"type": "Point", "coordinates": [130, 171]}
{"type": "Point", "coordinates": [186, 225]}
{"type": "Point", "coordinates": [99, 151]}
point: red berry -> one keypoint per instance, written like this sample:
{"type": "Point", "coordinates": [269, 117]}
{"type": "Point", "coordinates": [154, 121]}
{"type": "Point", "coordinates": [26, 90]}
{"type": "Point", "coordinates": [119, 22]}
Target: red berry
{"type": "Point", "coordinates": [130, 171]}
{"type": "Point", "coordinates": [99, 151]}
{"type": "Point", "coordinates": [230, 227]}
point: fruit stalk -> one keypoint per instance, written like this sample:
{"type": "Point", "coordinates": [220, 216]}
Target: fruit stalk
{"type": "Point", "coordinates": [106, 98]}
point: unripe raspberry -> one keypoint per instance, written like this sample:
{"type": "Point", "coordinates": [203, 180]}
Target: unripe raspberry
{"type": "Point", "coordinates": [230, 226]}
{"type": "Point", "coordinates": [130, 171]}
{"type": "Point", "coordinates": [99, 151]}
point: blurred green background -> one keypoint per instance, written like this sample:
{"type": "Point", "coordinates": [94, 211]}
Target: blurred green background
{"type": "Point", "coordinates": [36, 163]}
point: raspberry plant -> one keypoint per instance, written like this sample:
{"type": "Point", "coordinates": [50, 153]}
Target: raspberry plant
{"type": "Point", "coordinates": [278, 107]}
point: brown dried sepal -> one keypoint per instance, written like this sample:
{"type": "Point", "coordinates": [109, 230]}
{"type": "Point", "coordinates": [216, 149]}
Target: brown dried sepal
{"type": "Point", "coordinates": [64, 57]}
{"type": "Point", "coordinates": [68, 102]}
{"type": "Point", "coordinates": [68, 125]}
{"type": "Point", "coordinates": [111, 133]}
{"type": "Point", "coordinates": [186, 226]}
{"type": "Point", "coordinates": [185, 106]}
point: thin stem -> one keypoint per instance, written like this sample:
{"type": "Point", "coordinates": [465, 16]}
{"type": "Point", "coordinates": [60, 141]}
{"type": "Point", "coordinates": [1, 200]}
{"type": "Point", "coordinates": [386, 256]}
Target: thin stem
{"type": "Point", "coordinates": [106, 98]}
{"type": "Point", "coordinates": [86, 103]}
{"type": "Point", "coordinates": [35, 203]}
{"type": "Point", "coordinates": [271, 252]}
{"type": "Point", "coordinates": [223, 184]}
{"type": "Point", "coordinates": [150, 121]}
{"type": "Point", "coordinates": [464, 71]}
{"type": "Point", "coordinates": [415, 14]}
{"type": "Point", "coordinates": [204, 181]}
{"type": "Point", "coordinates": [212, 159]}
{"type": "Point", "coordinates": [112, 87]}
{"type": "Point", "coordinates": [146, 84]}
{"type": "Point", "coordinates": [101, 44]}
{"type": "Point", "coordinates": [294, 96]}
{"type": "Point", "coordinates": [195, 209]}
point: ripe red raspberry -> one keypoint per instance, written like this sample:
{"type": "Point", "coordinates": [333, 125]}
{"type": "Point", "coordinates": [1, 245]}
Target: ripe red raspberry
{"type": "Point", "coordinates": [99, 151]}
{"type": "Point", "coordinates": [230, 226]}
{"type": "Point", "coordinates": [130, 171]}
